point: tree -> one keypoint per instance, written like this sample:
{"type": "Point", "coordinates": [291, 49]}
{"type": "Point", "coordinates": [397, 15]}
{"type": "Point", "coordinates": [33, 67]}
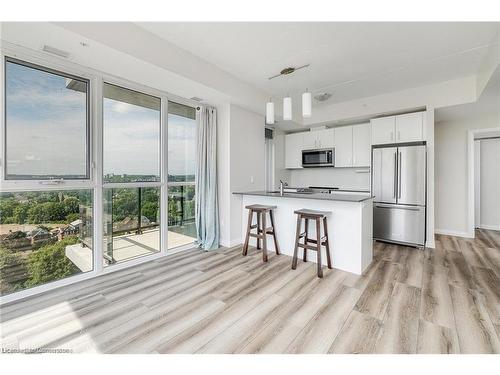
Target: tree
{"type": "Point", "coordinates": [49, 263]}
{"type": "Point", "coordinates": [12, 270]}
{"type": "Point", "coordinates": [20, 214]}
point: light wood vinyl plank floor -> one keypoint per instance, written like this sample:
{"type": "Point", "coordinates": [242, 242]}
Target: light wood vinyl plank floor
{"type": "Point", "coordinates": [443, 300]}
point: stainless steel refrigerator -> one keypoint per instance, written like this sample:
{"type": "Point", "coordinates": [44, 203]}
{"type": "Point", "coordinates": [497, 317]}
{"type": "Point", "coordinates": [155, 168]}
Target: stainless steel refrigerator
{"type": "Point", "coordinates": [399, 188]}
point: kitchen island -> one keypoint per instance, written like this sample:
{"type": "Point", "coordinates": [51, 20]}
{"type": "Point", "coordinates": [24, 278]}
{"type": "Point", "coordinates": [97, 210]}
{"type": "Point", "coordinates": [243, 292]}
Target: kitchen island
{"type": "Point", "coordinates": [350, 224]}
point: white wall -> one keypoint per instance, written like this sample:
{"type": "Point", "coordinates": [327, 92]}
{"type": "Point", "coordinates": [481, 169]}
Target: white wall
{"type": "Point", "coordinates": [490, 184]}
{"type": "Point", "coordinates": [223, 171]}
{"type": "Point", "coordinates": [345, 178]}
{"type": "Point", "coordinates": [242, 158]}
{"type": "Point", "coordinates": [451, 192]}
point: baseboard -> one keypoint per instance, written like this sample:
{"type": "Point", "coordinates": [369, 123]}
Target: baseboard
{"type": "Point", "coordinates": [490, 227]}
{"type": "Point", "coordinates": [456, 233]}
{"type": "Point", "coordinates": [230, 243]}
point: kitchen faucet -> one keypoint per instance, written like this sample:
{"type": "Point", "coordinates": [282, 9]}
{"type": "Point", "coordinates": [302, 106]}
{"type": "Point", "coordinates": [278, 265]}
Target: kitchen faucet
{"type": "Point", "coordinates": [282, 185]}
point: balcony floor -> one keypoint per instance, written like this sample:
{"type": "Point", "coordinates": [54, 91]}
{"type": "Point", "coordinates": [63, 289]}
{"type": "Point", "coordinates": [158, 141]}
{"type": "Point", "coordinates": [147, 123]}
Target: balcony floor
{"type": "Point", "coordinates": [127, 246]}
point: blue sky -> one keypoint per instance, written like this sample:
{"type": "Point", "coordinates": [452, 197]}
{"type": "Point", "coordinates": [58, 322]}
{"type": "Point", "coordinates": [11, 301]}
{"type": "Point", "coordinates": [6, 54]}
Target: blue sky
{"type": "Point", "coordinates": [46, 130]}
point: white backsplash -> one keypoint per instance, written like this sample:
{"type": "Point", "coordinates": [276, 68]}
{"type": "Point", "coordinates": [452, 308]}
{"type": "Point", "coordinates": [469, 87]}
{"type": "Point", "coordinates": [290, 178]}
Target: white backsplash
{"type": "Point", "coordinates": [345, 178]}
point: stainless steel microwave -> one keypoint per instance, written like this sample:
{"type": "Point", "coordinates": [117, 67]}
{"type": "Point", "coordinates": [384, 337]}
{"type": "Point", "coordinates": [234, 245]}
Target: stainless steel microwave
{"type": "Point", "coordinates": [318, 158]}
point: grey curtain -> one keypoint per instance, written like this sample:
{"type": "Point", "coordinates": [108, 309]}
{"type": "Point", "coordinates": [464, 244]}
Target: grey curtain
{"type": "Point", "coordinates": [207, 208]}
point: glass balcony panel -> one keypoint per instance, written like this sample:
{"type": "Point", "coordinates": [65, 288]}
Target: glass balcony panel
{"type": "Point", "coordinates": [131, 223]}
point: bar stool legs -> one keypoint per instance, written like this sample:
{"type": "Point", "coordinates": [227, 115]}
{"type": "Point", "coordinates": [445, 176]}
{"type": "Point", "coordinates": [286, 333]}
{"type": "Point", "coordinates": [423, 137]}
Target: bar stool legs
{"type": "Point", "coordinates": [262, 229]}
{"type": "Point", "coordinates": [312, 244]}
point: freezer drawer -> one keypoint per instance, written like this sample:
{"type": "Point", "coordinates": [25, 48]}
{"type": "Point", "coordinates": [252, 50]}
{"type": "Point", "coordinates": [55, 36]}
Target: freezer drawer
{"type": "Point", "coordinates": [399, 223]}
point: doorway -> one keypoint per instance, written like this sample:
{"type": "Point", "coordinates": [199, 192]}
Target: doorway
{"type": "Point", "coordinates": [484, 179]}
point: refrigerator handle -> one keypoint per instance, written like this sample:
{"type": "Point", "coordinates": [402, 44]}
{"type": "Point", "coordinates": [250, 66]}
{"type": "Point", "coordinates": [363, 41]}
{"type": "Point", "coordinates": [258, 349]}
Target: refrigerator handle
{"type": "Point", "coordinates": [395, 174]}
{"type": "Point", "coordinates": [400, 161]}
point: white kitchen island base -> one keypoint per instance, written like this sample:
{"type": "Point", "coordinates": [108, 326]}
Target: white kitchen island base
{"type": "Point", "coordinates": [350, 228]}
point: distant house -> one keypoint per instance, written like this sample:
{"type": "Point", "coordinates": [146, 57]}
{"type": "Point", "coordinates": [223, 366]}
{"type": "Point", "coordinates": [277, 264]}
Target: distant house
{"type": "Point", "coordinates": [15, 240]}
{"type": "Point", "coordinates": [39, 234]}
{"type": "Point", "coordinates": [129, 224]}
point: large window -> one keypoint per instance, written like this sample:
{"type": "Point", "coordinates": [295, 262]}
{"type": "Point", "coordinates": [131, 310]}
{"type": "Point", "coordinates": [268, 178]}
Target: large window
{"type": "Point", "coordinates": [69, 206]}
{"type": "Point", "coordinates": [44, 236]}
{"type": "Point", "coordinates": [182, 132]}
{"type": "Point", "coordinates": [131, 146]}
{"type": "Point", "coordinates": [47, 123]}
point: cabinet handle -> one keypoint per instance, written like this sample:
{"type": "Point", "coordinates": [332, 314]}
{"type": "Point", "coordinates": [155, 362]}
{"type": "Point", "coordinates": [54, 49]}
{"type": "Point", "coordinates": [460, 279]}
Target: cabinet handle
{"type": "Point", "coordinates": [399, 135]}
{"type": "Point", "coordinates": [392, 136]}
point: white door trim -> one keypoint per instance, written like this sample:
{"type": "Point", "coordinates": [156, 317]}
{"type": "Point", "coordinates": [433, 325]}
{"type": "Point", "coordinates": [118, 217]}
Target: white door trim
{"type": "Point", "coordinates": [471, 134]}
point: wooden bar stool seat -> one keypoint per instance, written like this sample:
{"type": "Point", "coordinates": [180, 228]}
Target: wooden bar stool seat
{"type": "Point", "coordinates": [318, 216]}
{"type": "Point", "coordinates": [261, 229]}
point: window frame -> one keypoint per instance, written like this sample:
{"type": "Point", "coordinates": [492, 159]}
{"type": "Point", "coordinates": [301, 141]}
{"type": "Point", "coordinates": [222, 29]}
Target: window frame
{"type": "Point", "coordinates": [96, 80]}
{"type": "Point", "coordinates": [5, 176]}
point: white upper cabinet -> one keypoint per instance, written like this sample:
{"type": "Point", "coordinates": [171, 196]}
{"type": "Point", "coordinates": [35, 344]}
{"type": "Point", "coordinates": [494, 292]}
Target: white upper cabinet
{"type": "Point", "coordinates": [409, 127]}
{"type": "Point", "coordinates": [383, 130]}
{"type": "Point", "coordinates": [293, 150]}
{"type": "Point", "coordinates": [317, 139]}
{"type": "Point", "coordinates": [398, 129]}
{"type": "Point", "coordinates": [361, 145]}
{"type": "Point", "coordinates": [310, 141]}
{"type": "Point", "coordinates": [326, 138]}
{"type": "Point", "coordinates": [343, 146]}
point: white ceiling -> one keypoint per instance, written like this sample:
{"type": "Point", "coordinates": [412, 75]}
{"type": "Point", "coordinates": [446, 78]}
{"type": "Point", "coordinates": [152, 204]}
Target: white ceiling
{"type": "Point", "coordinates": [350, 60]}
{"type": "Point", "coordinates": [488, 104]}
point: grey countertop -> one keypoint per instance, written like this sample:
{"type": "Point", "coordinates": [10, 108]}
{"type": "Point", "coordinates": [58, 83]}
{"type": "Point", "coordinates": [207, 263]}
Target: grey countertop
{"type": "Point", "coordinates": [317, 196]}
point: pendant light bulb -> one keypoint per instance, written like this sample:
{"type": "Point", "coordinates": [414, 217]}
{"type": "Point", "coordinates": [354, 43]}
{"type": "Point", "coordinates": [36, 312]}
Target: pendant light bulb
{"type": "Point", "coordinates": [287, 108]}
{"type": "Point", "coordinates": [306, 104]}
{"type": "Point", "coordinates": [270, 113]}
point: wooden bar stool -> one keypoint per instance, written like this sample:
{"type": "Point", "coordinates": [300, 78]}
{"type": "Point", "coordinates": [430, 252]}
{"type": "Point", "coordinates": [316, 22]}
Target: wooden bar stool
{"type": "Point", "coordinates": [262, 229]}
{"type": "Point", "coordinates": [318, 216]}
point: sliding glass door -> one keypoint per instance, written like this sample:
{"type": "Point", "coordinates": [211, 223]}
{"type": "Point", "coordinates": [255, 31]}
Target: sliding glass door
{"type": "Point", "coordinates": [131, 174]}
{"type": "Point", "coordinates": [182, 130]}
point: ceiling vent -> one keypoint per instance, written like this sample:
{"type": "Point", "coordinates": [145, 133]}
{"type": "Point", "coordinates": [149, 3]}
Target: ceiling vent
{"type": "Point", "coordinates": [323, 97]}
{"type": "Point", "coordinates": [56, 51]}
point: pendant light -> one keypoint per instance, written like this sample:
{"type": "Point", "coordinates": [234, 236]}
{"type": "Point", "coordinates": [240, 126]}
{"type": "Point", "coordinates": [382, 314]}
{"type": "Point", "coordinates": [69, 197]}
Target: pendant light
{"type": "Point", "coordinates": [270, 113]}
{"type": "Point", "coordinates": [287, 108]}
{"type": "Point", "coordinates": [306, 104]}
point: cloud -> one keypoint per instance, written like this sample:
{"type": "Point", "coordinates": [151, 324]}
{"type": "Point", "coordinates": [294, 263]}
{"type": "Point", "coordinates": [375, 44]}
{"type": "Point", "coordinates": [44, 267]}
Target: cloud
{"type": "Point", "coordinates": [121, 107]}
